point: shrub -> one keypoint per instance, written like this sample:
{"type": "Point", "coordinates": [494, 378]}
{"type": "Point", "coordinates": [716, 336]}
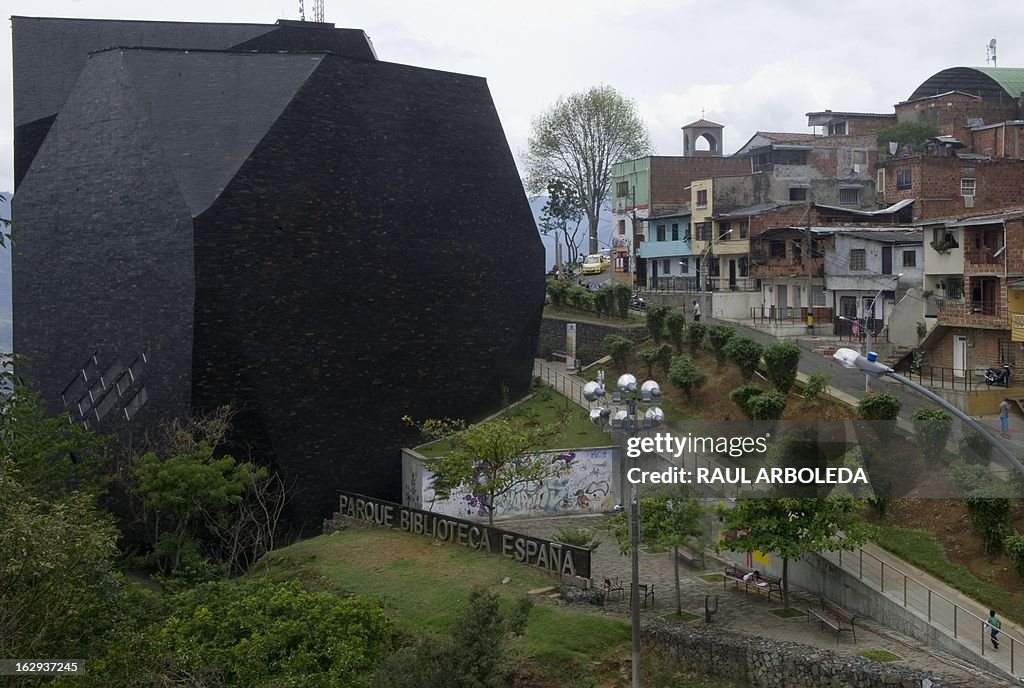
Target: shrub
{"type": "Point", "coordinates": [881, 406]}
{"type": "Point", "coordinates": [1014, 546]}
{"type": "Point", "coordinates": [665, 355]}
{"type": "Point", "coordinates": [578, 537]}
{"type": "Point", "coordinates": [558, 292]}
{"type": "Point", "coordinates": [767, 406]}
{"type": "Point", "coordinates": [604, 301]}
{"type": "Point", "coordinates": [650, 356]}
{"type": "Point", "coordinates": [974, 448]}
{"type": "Point", "coordinates": [719, 336]}
{"type": "Point", "coordinates": [581, 298]}
{"type": "Point", "coordinates": [968, 477]}
{"type": "Point", "coordinates": [781, 361]}
{"type": "Point", "coordinates": [743, 394]}
{"type": "Point", "coordinates": [622, 296]}
{"type": "Point", "coordinates": [745, 353]}
{"type": "Point", "coordinates": [814, 387]}
{"type": "Point", "coordinates": [656, 315]}
{"type": "Point", "coordinates": [617, 347]}
{"type": "Point", "coordinates": [932, 427]}
{"type": "Point", "coordinates": [683, 373]}
{"type": "Point", "coordinates": [990, 516]}
{"type": "Point", "coordinates": [675, 326]}
{"type": "Point", "coordinates": [695, 334]}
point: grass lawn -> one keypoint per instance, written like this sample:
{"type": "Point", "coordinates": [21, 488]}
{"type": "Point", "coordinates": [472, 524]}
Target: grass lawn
{"type": "Point", "coordinates": [879, 655]}
{"type": "Point", "coordinates": [712, 578]}
{"type": "Point", "coordinates": [423, 585]}
{"type": "Point", "coordinates": [571, 314]}
{"type": "Point", "coordinates": [920, 548]}
{"type": "Point", "coordinates": [787, 613]}
{"type": "Point", "coordinates": [544, 407]}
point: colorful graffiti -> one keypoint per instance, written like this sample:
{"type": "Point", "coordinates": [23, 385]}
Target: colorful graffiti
{"type": "Point", "coordinates": [582, 482]}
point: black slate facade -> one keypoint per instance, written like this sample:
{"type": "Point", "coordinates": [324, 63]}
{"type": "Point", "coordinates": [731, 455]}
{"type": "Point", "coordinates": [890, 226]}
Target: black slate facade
{"type": "Point", "coordinates": [324, 241]}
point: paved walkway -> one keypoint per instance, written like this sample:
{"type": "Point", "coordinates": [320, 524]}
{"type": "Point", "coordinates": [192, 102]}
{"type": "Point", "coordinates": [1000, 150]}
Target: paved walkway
{"type": "Point", "coordinates": [943, 598]}
{"type": "Point", "coordinates": [749, 614]}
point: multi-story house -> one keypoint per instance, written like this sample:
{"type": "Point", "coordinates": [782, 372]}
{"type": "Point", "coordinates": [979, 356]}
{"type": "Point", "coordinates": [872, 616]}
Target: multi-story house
{"type": "Point", "coordinates": [655, 186]}
{"type": "Point", "coordinates": [974, 276]}
{"type": "Point", "coordinates": [867, 271]}
{"type": "Point", "coordinates": [976, 164]}
{"type": "Point", "coordinates": [666, 251]}
{"type": "Point", "coordinates": [789, 263]}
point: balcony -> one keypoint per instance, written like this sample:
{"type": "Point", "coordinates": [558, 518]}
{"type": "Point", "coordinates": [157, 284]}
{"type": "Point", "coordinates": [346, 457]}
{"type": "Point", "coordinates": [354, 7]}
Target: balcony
{"type": "Point", "coordinates": [970, 313]}
{"type": "Point", "coordinates": [766, 268]}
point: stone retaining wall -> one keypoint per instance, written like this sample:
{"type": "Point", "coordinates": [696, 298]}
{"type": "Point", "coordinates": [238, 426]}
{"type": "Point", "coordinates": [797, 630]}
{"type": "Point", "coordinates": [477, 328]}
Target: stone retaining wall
{"type": "Point", "coordinates": [764, 663]}
{"type": "Point", "coordinates": [589, 337]}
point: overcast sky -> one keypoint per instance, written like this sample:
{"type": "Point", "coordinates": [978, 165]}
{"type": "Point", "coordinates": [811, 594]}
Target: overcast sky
{"type": "Point", "coordinates": [749, 64]}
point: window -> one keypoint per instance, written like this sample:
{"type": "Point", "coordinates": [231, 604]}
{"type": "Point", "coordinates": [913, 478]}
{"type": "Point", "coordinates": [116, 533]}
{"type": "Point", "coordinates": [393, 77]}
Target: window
{"type": "Point", "coordinates": [909, 259]}
{"type": "Point", "coordinates": [666, 267]}
{"type": "Point", "coordinates": [777, 248]}
{"type": "Point", "coordinates": [797, 193]}
{"type": "Point", "coordinates": [849, 196]}
{"type": "Point", "coordinates": [967, 187]}
{"type": "Point", "coordinates": [622, 226]}
{"type": "Point", "coordinates": [837, 129]}
{"type": "Point", "coordinates": [703, 231]}
{"type": "Point", "coordinates": [621, 189]}
{"type": "Point", "coordinates": [661, 233]}
{"type": "Point", "coordinates": [1006, 349]}
{"type": "Point", "coordinates": [744, 266]}
{"type": "Point", "coordinates": [880, 184]}
{"type": "Point", "coordinates": [860, 157]}
{"type": "Point", "coordinates": [714, 267]}
{"type": "Point", "coordinates": [684, 266]}
{"type": "Point", "coordinates": [904, 179]}
{"type": "Point", "coordinates": [858, 259]}
{"type": "Point", "coordinates": [687, 235]}
{"type": "Point", "coordinates": [817, 297]}
{"type": "Point", "coordinates": [744, 229]}
{"type": "Point", "coordinates": [789, 157]}
{"type": "Point", "coordinates": [944, 238]}
{"type": "Point", "coordinates": [702, 198]}
{"type": "Point", "coordinates": [723, 229]}
{"type": "Point", "coordinates": [675, 232]}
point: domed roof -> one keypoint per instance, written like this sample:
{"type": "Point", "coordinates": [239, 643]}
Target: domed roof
{"type": "Point", "coordinates": [994, 84]}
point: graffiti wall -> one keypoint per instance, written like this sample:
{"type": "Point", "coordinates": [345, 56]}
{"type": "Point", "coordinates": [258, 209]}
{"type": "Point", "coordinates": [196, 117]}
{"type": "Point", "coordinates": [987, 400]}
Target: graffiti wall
{"type": "Point", "coordinates": [582, 481]}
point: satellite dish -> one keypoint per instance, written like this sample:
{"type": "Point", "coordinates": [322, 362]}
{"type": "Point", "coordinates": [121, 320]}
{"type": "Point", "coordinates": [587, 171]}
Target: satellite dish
{"type": "Point", "coordinates": [999, 252]}
{"type": "Point", "coordinates": [992, 43]}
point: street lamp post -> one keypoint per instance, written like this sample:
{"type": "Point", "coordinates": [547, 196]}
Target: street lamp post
{"type": "Point", "coordinates": [867, 330]}
{"type": "Point", "coordinates": [622, 415]}
{"type": "Point", "coordinates": [851, 359]}
{"type": "Point", "coordinates": [704, 254]}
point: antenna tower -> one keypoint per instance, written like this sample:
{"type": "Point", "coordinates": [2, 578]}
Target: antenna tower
{"type": "Point", "coordinates": [318, 10]}
{"type": "Point", "coordinates": [990, 52]}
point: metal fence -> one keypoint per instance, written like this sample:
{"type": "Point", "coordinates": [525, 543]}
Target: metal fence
{"type": "Point", "coordinates": [562, 384]}
{"type": "Point", "coordinates": [940, 611]}
{"type": "Point", "coordinates": [691, 284]}
{"type": "Point", "coordinates": [943, 378]}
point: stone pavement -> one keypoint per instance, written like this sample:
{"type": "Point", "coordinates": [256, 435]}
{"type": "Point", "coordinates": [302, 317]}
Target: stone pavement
{"type": "Point", "coordinates": [746, 613]}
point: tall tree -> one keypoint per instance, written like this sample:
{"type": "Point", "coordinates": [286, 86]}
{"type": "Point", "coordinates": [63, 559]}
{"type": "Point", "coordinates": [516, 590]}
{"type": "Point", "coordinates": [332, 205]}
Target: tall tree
{"type": "Point", "coordinates": [578, 139]}
{"type": "Point", "coordinates": [563, 217]}
{"type": "Point", "coordinates": [792, 527]}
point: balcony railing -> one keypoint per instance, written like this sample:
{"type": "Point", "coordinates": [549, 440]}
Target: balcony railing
{"type": "Point", "coordinates": [689, 284]}
{"type": "Point", "coordinates": [969, 308]}
{"type": "Point", "coordinates": [982, 256]}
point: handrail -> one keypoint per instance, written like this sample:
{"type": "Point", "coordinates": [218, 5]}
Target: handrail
{"type": "Point", "coordinates": [918, 596]}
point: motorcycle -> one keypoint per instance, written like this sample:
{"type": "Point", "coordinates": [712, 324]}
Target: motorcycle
{"type": "Point", "coordinates": [637, 303]}
{"type": "Point", "coordinates": [998, 376]}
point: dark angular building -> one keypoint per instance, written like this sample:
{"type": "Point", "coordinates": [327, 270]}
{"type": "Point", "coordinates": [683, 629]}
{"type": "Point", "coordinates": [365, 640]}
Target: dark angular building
{"type": "Point", "coordinates": [267, 217]}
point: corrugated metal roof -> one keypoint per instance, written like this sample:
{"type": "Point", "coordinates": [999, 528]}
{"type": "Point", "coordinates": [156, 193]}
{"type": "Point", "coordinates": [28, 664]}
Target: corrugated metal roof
{"type": "Point", "coordinates": [899, 205]}
{"type": "Point", "coordinates": [1010, 78]}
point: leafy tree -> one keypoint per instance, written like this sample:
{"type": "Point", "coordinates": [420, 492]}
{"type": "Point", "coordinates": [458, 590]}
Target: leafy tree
{"type": "Point", "coordinates": [675, 327]}
{"type": "Point", "coordinates": [882, 408]}
{"type": "Point", "coordinates": [719, 336]}
{"type": "Point", "coordinates": [577, 141]}
{"type": "Point", "coordinates": [668, 518]}
{"type": "Point", "coordinates": [974, 448]}
{"type": "Point", "coordinates": [742, 395]}
{"type": "Point", "coordinates": [492, 458]}
{"type": "Point", "coordinates": [470, 657]}
{"type": "Point", "coordinates": [781, 362]}
{"type": "Point", "coordinates": [989, 510]}
{"type": "Point", "coordinates": [580, 298]}
{"type": "Point", "coordinates": [814, 386]}
{"type": "Point", "coordinates": [665, 355]}
{"type": "Point", "coordinates": [793, 527]}
{"type": "Point", "coordinates": [562, 217]}
{"type": "Point", "coordinates": [932, 427]}
{"type": "Point", "coordinates": [618, 347]}
{"type": "Point", "coordinates": [695, 334]}
{"type": "Point", "coordinates": [56, 569]}
{"type": "Point", "coordinates": [905, 133]}
{"type": "Point", "coordinates": [656, 315]}
{"type": "Point", "coordinates": [604, 301]}
{"type": "Point", "coordinates": [746, 354]}
{"type": "Point", "coordinates": [650, 356]}
{"type": "Point", "coordinates": [767, 406]}
{"type": "Point", "coordinates": [623, 297]}
{"type": "Point", "coordinates": [683, 373]}
{"type": "Point", "coordinates": [1014, 545]}
{"type": "Point", "coordinates": [257, 633]}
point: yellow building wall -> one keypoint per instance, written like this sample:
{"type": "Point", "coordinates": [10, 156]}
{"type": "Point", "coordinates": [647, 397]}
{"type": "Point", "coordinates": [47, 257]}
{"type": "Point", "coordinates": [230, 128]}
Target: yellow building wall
{"type": "Point", "coordinates": [1015, 306]}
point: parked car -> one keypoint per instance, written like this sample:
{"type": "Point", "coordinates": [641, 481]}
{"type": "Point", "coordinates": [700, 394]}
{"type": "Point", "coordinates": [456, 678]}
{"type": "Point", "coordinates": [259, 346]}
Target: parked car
{"type": "Point", "coordinates": [595, 263]}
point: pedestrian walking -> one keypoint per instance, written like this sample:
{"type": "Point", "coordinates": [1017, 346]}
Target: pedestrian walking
{"type": "Point", "coordinates": [1004, 417]}
{"type": "Point", "coordinates": [994, 625]}
{"type": "Point", "coordinates": [696, 311]}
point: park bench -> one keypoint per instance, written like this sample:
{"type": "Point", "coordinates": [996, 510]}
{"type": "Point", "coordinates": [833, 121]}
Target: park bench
{"type": "Point", "coordinates": [835, 618]}
{"type": "Point", "coordinates": [692, 557]}
{"type": "Point", "coordinates": [612, 586]}
{"type": "Point", "coordinates": [646, 592]}
{"type": "Point", "coordinates": [765, 583]}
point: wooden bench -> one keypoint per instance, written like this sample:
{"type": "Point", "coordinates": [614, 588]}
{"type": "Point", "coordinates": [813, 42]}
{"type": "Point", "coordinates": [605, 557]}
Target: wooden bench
{"type": "Point", "coordinates": [611, 586]}
{"type": "Point", "coordinates": [836, 618]}
{"type": "Point", "coordinates": [763, 582]}
{"type": "Point", "coordinates": [692, 557]}
{"type": "Point", "coordinates": [646, 592]}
